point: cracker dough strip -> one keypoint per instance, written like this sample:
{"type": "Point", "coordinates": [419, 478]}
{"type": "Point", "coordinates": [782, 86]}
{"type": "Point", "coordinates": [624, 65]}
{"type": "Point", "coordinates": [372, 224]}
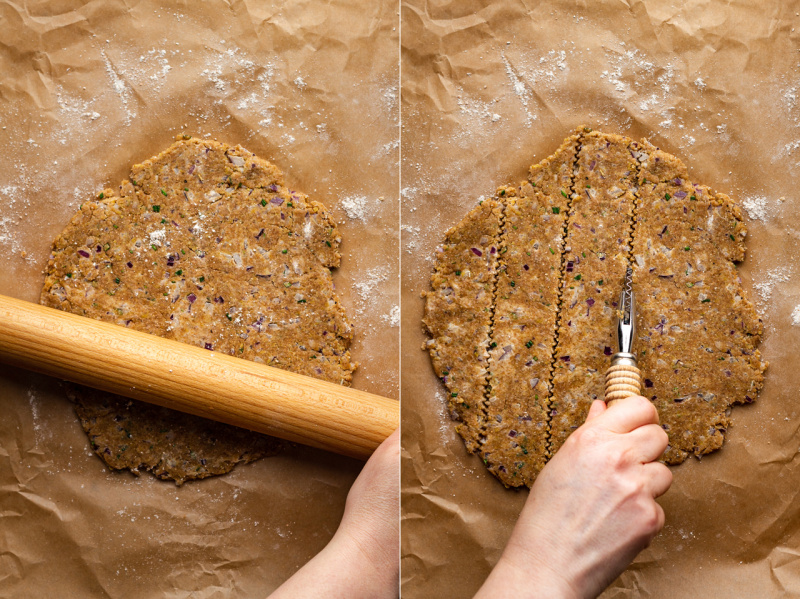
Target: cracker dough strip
{"type": "Point", "coordinates": [570, 195]}
{"type": "Point", "coordinates": [499, 247]}
{"type": "Point", "coordinates": [515, 440]}
{"type": "Point", "coordinates": [681, 278]}
{"type": "Point", "coordinates": [458, 314]}
{"type": "Point", "coordinates": [596, 256]}
{"type": "Point", "coordinates": [515, 430]}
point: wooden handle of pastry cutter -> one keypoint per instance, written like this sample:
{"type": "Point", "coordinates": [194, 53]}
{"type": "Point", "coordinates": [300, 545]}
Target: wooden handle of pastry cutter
{"type": "Point", "coordinates": [194, 380]}
{"type": "Point", "coordinates": [623, 379]}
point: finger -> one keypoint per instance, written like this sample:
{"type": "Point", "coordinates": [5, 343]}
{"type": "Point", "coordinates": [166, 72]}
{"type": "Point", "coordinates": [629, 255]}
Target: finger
{"type": "Point", "coordinates": [649, 442]}
{"type": "Point", "coordinates": [658, 478]}
{"type": "Point", "coordinates": [629, 414]}
{"type": "Point", "coordinates": [597, 408]}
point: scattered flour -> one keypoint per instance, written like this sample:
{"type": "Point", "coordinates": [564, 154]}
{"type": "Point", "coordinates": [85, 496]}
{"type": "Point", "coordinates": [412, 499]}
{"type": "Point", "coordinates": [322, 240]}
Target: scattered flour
{"type": "Point", "coordinates": [445, 423]}
{"type": "Point", "coordinates": [756, 207]}
{"type": "Point", "coordinates": [389, 98]}
{"type": "Point", "coordinates": [548, 70]}
{"type": "Point", "coordinates": [72, 109]}
{"type": "Point", "coordinates": [790, 147]}
{"type": "Point", "coordinates": [476, 108]}
{"type": "Point", "coordinates": [33, 401]}
{"type": "Point", "coordinates": [120, 87]}
{"type": "Point", "coordinates": [367, 285]}
{"type": "Point", "coordinates": [520, 89]}
{"type": "Point", "coordinates": [13, 205]}
{"type": "Point", "coordinates": [772, 278]}
{"type": "Point", "coordinates": [355, 207]}
{"type": "Point", "coordinates": [634, 76]}
{"type": "Point", "coordinates": [393, 317]}
{"type": "Point", "coordinates": [409, 193]}
{"type": "Point", "coordinates": [796, 315]}
{"type": "Point", "coordinates": [790, 98]}
{"type": "Point", "coordinates": [412, 234]}
{"type": "Point", "coordinates": [144, 72]}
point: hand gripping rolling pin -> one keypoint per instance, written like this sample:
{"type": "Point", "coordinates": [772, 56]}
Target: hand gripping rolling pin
{"type": "Point", "coordinates": [194, 380]}
{"type": "Point", "coordinates": [623, 378]}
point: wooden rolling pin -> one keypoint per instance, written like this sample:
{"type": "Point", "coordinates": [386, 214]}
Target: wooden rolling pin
{"type": "Point", "coordinates": [194, 380]}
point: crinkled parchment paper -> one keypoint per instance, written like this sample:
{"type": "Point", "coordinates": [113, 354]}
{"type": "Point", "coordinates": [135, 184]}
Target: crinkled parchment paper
{"type": "Point", "coordinates": [491, 88]}
{"type": "Point", "coordinates": [87, 90]}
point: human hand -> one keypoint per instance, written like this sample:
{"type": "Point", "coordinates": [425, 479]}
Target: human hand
{"type": "Point", "coordinates": [591, 510]}
{"type": "Point", "coordinates": [371, 518]}
{"type": "Point", "coordinates": [362, 559]}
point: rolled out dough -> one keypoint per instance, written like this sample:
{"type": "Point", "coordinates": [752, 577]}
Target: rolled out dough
{"type": "Point", "coordinates": [203, 244]}
{"type": "Point", "coordinates": [524, 294]}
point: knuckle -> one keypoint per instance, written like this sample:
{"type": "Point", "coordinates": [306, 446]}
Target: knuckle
{"type": "Point", "coordinates": [630, 489]}
{"type": "Point", "coordinates": [665, 472]}
{"type": "Point", "coordinates": [648, 409]}
{"type": "Point", "coordinates": [655, 518]}
{"type": "Point", "coordinates": [615, 458]}
{"type": "Point", "coordinates": [664, 437]}
{"type": "Point", "coordinates": [639, 489]}
{"type": "Point", "coordinates": [588, 436]}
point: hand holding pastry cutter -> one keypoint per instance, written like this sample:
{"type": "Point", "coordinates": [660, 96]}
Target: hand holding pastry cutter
{"type": "Point", "coordinates": [623, 378]}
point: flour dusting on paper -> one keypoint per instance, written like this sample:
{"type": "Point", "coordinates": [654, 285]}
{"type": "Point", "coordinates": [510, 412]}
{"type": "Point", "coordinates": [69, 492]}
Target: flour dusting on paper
{"type": "Point", "coordinates": [756, 207]}
{"type": "Point", "coordinates": [8, 199]}
{"type": "Point", "coordinates": [771, 278]}
{"type": "Point", "coordinates": [367, 285]}
{"type": "Point", "coordinates": [355, 207]}
{"type": "Point", "coordinates": [393, 317]}
{"type": "Point", "coordinates": [477, 109]}
{"type": "Point", "coordinates": [413, 234]}
{"type": "Point", "coordinates": [633, 75]}
{"type": "Point", "coordinates": [445, 424]}
{"type": "Point", "coordinates": [520, 90]}
{"type": "Point", "coordinates": [120, 87]}
{"type": "Point", "coordinates": [33, 401]}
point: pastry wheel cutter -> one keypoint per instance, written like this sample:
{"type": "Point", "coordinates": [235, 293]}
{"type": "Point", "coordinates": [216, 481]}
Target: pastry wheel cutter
{"type": "Point", "coordinates": [623, 378]}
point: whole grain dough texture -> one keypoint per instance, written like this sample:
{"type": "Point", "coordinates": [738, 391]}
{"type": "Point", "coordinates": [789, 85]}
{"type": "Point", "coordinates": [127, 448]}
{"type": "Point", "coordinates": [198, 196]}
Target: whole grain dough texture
{"type": "Point", "coordinates": [203, 244]}
{"type": "Point", "coordinates": [524, 298]}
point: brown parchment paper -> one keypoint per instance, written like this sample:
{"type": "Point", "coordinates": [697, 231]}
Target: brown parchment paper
{"type": "Point", "coordinates": [489, 88]}
{"type": "Point", "coordinates": [86, 90]}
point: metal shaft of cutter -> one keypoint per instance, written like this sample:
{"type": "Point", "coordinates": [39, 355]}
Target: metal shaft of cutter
{"type": "Point", "coordinates": [626, 323]}
{"type": "Point", "coordinates": [623, 378]}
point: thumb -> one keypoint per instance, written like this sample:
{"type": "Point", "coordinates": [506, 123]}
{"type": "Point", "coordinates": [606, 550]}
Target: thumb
{"type": "Point", "coordinates": [598, 407]}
